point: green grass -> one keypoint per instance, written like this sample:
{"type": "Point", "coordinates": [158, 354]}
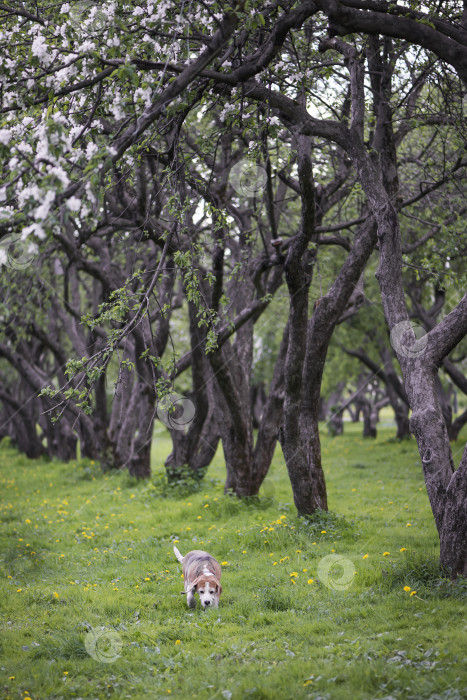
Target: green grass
{"type": "Point", "coordinates": [85, 553]}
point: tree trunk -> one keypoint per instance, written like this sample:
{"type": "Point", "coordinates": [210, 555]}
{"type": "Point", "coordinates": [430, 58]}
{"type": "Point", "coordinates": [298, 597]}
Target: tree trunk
{"type": "Point", "coordinates": [271, 417]}
{"type": "Point", "coordinates": [336, 423]}
{"type": "Point", "coordinates": [453, 533]}
{"type": "Point", "coordinates": [194, 448]}
{"type": "Point", "coordinates": [396, 395]}
{"type": "Point", "coordinates": [369, 422]}
{"type": "Point", "coordinates": [257, 401]}
{"type": "Point", "coordinates": [299, 434]}
{"type": "Point", "coordinates": [446, 488]}
{"type": "Point", "coordinates": [140, 459]}
{"type": "Point", "coordinates": [457, 425]}
{"type": "Point", "coordinates": [236, 426]}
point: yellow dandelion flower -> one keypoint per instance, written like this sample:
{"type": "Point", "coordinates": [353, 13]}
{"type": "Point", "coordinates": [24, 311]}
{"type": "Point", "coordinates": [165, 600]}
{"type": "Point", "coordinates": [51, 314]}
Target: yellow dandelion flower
{"type": "Point", "coordinates": [403, 549]}
{"type": "Point", "coordinates": [413, 593]}
{"type": "Point", "coordinates": [385, 554]}
{"type": "Point", "coordinates": [244, 551]}
{"type": "Point", "coordinates": [225, 563]}
{"type": "Point", "coordinates": [56, 595]}
{"type": "Point", "coordinates": [323, 532]}
{"type": "Point", "coordinates": [294, 573]}
{"type": "Point", "coordinates": [298, 551]}
{"type": "Point", "coordinates": [365, 556]}
{"type": "Point", "coordinates": [407, 588]}
{"type": "Point", "coordinates": [409, 525]}
{"type": "Point", "coordinates": [177, 641]}
{"type": "Point", "coordinates": [147, 578]}
{"type": "Point", "coordinates": [310, 580]}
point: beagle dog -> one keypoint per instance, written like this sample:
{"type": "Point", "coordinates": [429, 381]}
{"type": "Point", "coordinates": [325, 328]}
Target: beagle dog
{"type": "Point", "coordinates": [202, 575]}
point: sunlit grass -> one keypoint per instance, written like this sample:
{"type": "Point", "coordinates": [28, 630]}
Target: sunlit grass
{"type": "Point", "coordinates": [87, 553]}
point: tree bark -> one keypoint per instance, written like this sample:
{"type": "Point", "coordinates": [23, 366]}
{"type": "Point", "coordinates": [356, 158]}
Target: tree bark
{"type": "Point", "coordinates": [446, 488]}
{"type": "Point", "coordinates": [299, 436]}
{"type": "Point", "coordinates": [195, 448]}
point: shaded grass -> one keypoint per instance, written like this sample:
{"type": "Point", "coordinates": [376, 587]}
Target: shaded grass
{"type": "Point", "coordinates": [85, 553]}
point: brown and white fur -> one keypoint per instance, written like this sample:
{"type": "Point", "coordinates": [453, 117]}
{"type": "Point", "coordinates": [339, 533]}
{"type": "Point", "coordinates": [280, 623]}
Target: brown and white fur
{"type": "Point", "coordinates": [202, 575]}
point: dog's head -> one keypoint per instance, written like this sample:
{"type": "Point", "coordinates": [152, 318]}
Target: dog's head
{"type": "Point", "coordinates": [209, 590]}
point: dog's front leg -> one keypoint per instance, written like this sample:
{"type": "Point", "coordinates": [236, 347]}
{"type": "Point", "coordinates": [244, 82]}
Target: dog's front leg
{"type": "Point", "coordinates": [190, 599]}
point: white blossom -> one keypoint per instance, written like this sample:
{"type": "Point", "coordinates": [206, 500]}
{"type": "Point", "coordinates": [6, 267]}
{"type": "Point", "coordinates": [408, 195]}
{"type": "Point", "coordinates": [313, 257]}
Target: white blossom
{"type": "Point", "coordinates": [60, 174]}
{"type": "Point", "coordinates": [42, 148]}
{"type": "Point", "coordinates": [73, 203]}
{"type": "Point", "coordinates": [42, 212]}
{"type": "Point", "coordinates": [35, 229]}
{"type": "Point", "coordinates": [144, 94]}
{"type": "Point", "coordinates": [5, 136]}
{"type": "Point", "coordinates": [39, 49]}
{"type": "Point", "coordinates": [87, 45]}
{"type": "Point", "coordinates": [91, 149]}
{"type": "Point", "coordinates": [117, 110]}
{"type": "Point", "coordinates": [30, 191]}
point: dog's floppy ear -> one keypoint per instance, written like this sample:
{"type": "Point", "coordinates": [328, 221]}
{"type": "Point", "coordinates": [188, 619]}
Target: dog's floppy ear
{"type": "Point", "coordinates": [218, 587]}
{"type": "Point", "coordinates": [192, 585]}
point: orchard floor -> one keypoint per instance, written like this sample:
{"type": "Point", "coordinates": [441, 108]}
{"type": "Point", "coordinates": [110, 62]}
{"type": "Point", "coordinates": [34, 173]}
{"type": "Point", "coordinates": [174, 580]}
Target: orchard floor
{"type": "Point", "coordinates": [349, 605]}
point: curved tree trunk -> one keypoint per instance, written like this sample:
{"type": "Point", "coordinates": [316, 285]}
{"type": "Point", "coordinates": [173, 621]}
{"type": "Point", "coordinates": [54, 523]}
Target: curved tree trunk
{"type": "Point", "coordinates": [446, 488]}
{"type": "Point", "coordinates": [299, 434]}
{"type": "Point", "coordinates": [457, 425]}
{"type": "Point", "coordinates": [194, 448]}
